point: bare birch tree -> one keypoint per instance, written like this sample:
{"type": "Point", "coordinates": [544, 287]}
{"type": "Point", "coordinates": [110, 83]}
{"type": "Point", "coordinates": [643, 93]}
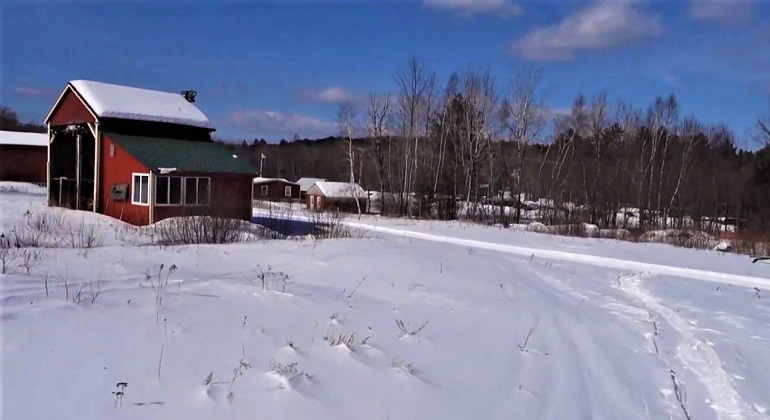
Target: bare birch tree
{"type": "Point", "coordinates": [345, 121]}
{"type": "Point", "coordinates": [522, 113]}
{"type": "Point", "coordinates": [691, 129]}
{"type": "Point", "coordinates": [479, 103]}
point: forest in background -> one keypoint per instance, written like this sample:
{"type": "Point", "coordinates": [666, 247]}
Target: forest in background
{"type": "Point", "coordinates": [428, 146]}
{"type": "Point", "coordinates": [481, 140]}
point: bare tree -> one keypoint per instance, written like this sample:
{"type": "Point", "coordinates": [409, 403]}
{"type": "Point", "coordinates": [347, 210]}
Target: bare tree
{"type": "Point", "coordinates": [522, 114]}
{"type": "Point", "coordinates": [345, 118]}
{"type": "Point", "coordinates": [478, 105]}
{"type": "Point", "coordinates": [416, 89]}
{"type": "Point", "coordinates": [661, 118]}
{"type": "Point", "coordinates": [691, 129]}
{"type": "Point", "coordinates": [377, 121]}
{"type": "Point", "coordinates": [601, 142]}
{"type": "Point", "coordinates": [762, 132]}
{"type": "Point", "coordinates": [574, 126]}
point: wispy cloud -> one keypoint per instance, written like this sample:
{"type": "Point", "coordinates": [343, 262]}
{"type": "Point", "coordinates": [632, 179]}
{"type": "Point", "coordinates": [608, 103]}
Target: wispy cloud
{"type": "Point", "coordinates": [669, 78]}
{"type": "Point", "coordinates": [33, 91]}
{"type": "Point", "coordinates": [280, 124]}
{"type": "Point", "coordinates": [727, 12]}
{"type": "Point", "coordinates": [330, 95]}
{"type": "Point", "coordinates": [551, 113]}
{"type": "Point", "coordinates": [474, 7]}
{"type": "Point", "coordinates": [597, 27]}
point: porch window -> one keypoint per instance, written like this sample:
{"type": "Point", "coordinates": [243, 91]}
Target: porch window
{"type": "Point", "coordinates": [140, 189]}
{"type": "Point", "coordinates": [168, 190]}
{"type": "Point", "coordinates": [197, 191]}
{"type": "Point", "coordinates": [287, 191]}
{"type": "Point", "coordinates": [264, 190]}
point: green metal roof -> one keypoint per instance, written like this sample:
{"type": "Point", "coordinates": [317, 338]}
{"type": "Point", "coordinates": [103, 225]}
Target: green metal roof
{"type": "Point", "coordinates": [185, 156]}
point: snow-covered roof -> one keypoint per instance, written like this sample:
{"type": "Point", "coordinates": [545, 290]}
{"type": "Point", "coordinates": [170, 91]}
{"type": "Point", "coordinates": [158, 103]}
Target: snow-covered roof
{"type": "Point", "coordinates": [18, 138]}
{"type": "Point", "coordinates": [130, 103]}
{"type": "Point", "coordinates": [262, 180]}
{"type": "Point", "coordinates": [306, 183]}
{"type": "Point", "coordinates": [339, 189]}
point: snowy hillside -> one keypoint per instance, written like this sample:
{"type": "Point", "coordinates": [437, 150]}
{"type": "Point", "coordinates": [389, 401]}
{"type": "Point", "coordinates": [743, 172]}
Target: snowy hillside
{"type": "Point", "coordinates": [412, 320]}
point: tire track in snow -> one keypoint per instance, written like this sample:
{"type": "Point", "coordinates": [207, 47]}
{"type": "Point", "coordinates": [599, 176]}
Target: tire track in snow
{"type": "Point", "coordinates": [690, 273]}
{"type": "Point", "coordinates": [697, 355]}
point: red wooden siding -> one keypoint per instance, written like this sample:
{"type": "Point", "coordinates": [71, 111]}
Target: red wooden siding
{"type": "Point", "coordinates": [276, 191]}
{"type": "Point", "coordinates": [230, 197]}
{"type": "Point", "coordinates": [117, 169]}
{"type": "Point", "coordinates": [23, 163]}
{"type": "Point", "coordinates": [71, 110]}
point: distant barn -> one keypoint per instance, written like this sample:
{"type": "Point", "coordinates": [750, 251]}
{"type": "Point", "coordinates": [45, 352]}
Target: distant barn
{"type": "Point", "coordinates": [275, 189]}
{"type": "Point", "coordinates": [141, 156]}
{"type": "Point", "coordinates": [23, 157]}
{"type": "Point", "coordinates": [340, 196]}
{"type": "Point", "coordinates": [306, 183]}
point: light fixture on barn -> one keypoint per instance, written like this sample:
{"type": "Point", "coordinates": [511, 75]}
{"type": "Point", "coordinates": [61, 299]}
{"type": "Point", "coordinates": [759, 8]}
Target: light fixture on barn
{"type": "Point", "coordinates": [189, 95]}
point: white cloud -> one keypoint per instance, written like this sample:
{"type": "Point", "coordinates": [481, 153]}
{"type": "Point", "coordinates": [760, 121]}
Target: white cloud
{"type": "Point", "coordinates": [501, 7]}
{"type": "Point", "coordinates": [598, 27]}
{"type": "Point", "coordinates": [722, 11]}
{"type": "Point", "coordinates": [331, 95]}
{"type": "Point", "coordinates": [33, 91]}
{"type": "Point", "coordinates": [280, 124]}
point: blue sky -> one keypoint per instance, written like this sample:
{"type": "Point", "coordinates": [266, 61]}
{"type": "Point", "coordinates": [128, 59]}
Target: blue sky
{"type": "Point", "coordinates": [274, 69]}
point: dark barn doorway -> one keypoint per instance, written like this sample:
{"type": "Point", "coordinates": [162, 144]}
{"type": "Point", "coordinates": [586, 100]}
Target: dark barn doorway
{"type": "Point", "coordinates": [72, 167]}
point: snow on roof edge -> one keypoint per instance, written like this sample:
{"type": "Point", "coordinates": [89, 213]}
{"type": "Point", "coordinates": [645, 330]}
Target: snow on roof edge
{"type": "Point", "coordinates": [340, 189]}
{"type": "Point", "coordinates": [132, 103]}
{"type": "Point", "coordinates": [261, 180]}
{"type": "Point", "coordinates": [22, 138]}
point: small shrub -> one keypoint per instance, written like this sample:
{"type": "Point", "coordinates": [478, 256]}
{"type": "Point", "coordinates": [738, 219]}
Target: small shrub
{"type": "Point", "coordinates": [347, 340]}
{"type": "Point", "coordinates": [203, 230]}
{"type": "Point", "coordinates": [273, 277]}
{"type": "Point", "coordinates": [403, 332]}
{"type": "Point", "coordinates": [330, 225]}
{"type": "Point", "coordinates": [83, 235]}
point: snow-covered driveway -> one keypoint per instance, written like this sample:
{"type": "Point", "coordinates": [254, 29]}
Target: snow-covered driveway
{"type": "Point", "coordinates": [689, 355]}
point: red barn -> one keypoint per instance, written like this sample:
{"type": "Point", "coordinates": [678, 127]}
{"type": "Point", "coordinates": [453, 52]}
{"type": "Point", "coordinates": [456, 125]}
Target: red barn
{"type": "Point", "coordinates": [140, 156]}
{"type": "Point", "coordinates": [275, 189]}
{"type": "Point", "coordinates": [23, 156]}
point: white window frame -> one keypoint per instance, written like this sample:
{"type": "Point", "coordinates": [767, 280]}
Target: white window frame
{"type": "Point", "coordinates": [287, 191]}
{"type": "Point", "coordinates": [145, 178]}
{"type": "Point", "coordinates": [184, 191]}
{"type": "Point", "coordinates": [181, 190]}
{"type": "Point", "coordinates": [264, 191]}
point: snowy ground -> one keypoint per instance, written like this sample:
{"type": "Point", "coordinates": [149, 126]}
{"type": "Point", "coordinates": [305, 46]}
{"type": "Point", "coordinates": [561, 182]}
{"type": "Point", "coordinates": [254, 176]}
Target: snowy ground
{"type": "Point", "coordinates": [497, 324]}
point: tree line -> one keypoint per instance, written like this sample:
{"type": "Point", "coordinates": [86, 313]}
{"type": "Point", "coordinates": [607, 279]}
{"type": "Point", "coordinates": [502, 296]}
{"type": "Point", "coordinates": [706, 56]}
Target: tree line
{"type": "Point", "coordinates": [481, 141]}
{"type": "Point", "coordinates": [491, 147]}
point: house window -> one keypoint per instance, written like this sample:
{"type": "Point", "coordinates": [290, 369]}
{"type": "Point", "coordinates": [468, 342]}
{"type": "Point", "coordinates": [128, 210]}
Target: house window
{"type": "Point", "coordinates": [168, 190]}
{"type": "Point", "coordinates": [197, 191]}
{"type": "Point", "coordinates": [140, 189]}
{"type": "Point", "coordinates": [112, 150]}
{"type": "Point", "coordinates": [264, 190]}
{"type": "Point", "coordinates": [287, 191]}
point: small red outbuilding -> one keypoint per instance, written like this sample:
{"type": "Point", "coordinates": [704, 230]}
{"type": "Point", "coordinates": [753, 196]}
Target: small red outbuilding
{"type": "Point", "coordinates": [141, 156]}
{"type": "Point", "coordinates": [23, 156]}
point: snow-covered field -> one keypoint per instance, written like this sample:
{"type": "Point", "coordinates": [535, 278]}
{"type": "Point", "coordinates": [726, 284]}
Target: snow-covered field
{"type": "Point", "coordinates": [415, 320]}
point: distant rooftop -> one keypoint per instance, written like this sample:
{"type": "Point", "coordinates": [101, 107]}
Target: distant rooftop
{"type": "Point", "coordinates": [18, 138]}
{"type": "Point", "coordinates": [130, 103]}
{"type": "Point", "coordinates": [306, 183]}
{"type": "Point", "coordinates": [262, 180]}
